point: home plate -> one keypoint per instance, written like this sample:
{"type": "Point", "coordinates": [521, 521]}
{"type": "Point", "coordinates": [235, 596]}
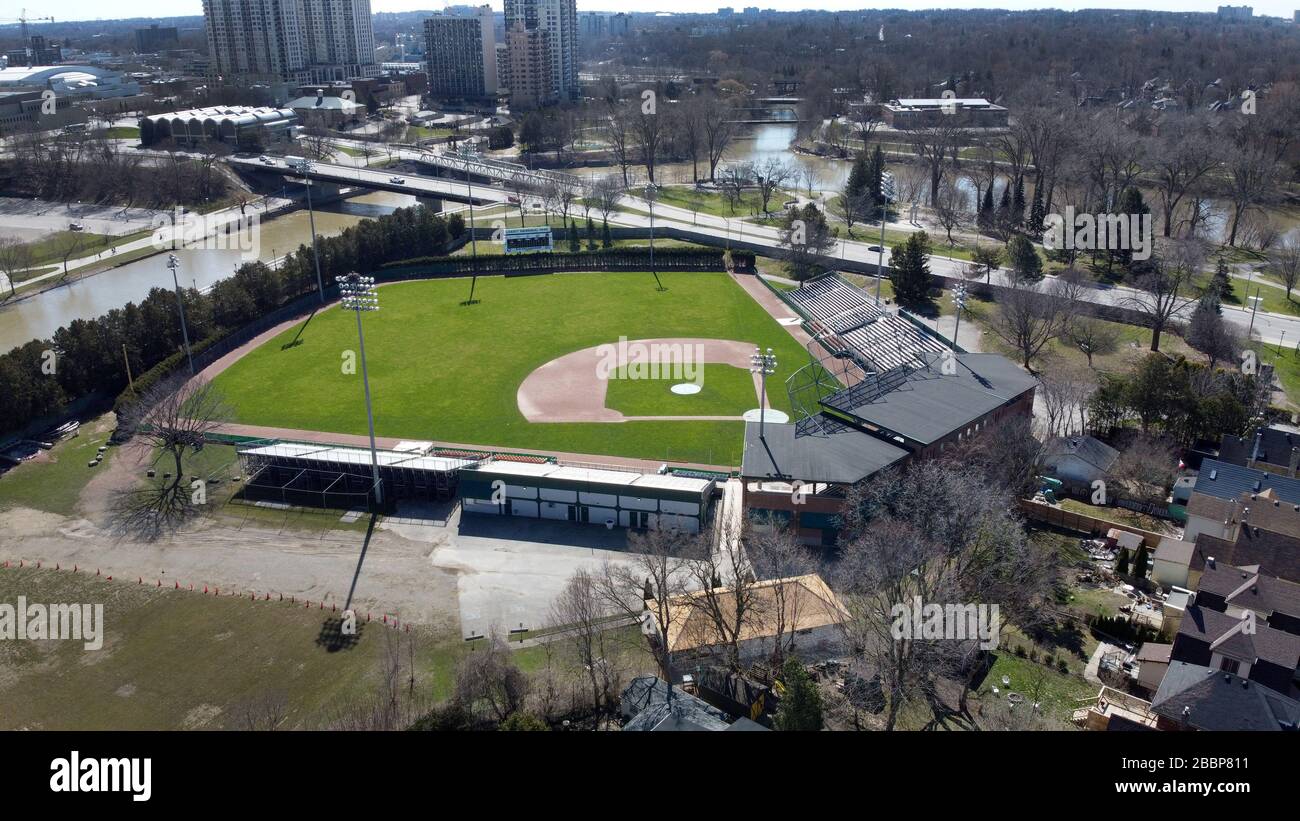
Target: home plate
{"type": "Point", "coordinates": [685, 388]}
{"type": "Point", "coordinates": [776, 417]}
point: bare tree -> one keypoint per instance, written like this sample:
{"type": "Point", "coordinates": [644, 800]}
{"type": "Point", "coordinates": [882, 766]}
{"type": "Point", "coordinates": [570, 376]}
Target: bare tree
{"type": "Point", "coordinates": [607, 192]}
{"type": "Point", "coordinates": [1180, 162]}
{"type": "Point", "coordinates": [1164, 288]}
{"type": "Point", "coordinates": [770, 175]}
{"type": "Point", "coordinates": [774, 552]}
{"type": "Point", "coordinates": [15, 258]}
{"type": "Point", "coordinates": [1093, 336]}
{"type": "Point", "coordinates": [950, 206]}
{"type": "Point", "coordinates": [719, 131]}
{"type": "Point", "coordinates": [488, 680]}
{"type": "Point", "coordinates": [1252, 178]}
{"type": "Point", "coordinates": [936, 144]}
{"type": "Point", "coordinates": [649, 585]}
{"type": "Point", "coordinates": [617, 130]}
{"type": "Point", "coordinates": [1029, 318]}
{"type": "Point", "coordinates": [1284, 263]}
{"type": "Point", "coordinates": [172, 420]}
{"type": "Point", "coordinates": [580, 615]}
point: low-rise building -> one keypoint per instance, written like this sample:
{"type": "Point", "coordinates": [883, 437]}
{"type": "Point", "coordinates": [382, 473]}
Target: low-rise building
{"type": "Point", "coordinates": [240, 127]}
{"type": "Point", "coordinates": [1080, 460]}
{"type": "Point", "coordinates": [964, 112]}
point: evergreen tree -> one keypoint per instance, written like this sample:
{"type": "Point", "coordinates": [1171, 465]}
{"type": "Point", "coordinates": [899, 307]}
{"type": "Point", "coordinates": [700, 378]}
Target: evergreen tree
{"type": "Point", "coordinates": [591, 235]}
{"type": "Point", "coordinates": [1140, 563]}
{"type": "Point", "coordinates": [1121, 565]}
{"type": "Point", "coordinates": [1037, 212]}
{"type": "Point", "coordinates": [1222, 283]}
{"type": "Point", "coordinates": [1004, 209]}
{"type": "Point", "coordinates": [801, 704]}
{"type": "Point", "coordinates": [606, 240]}
{"type": "Point", "coordinates": [1024, 259]}
{"type": "Point", "coordinates": [857, 182]}
{"type": "Point", "coordinates": [910, 269]}
{"type": "Point", "coordinates": [876, 174]}
{"type": "Point", "coordinates": [987, 213]}
{"type": "Point", "coordinates": [574, 244]}
{"type": "Point", "coordinates": [1130, 203]}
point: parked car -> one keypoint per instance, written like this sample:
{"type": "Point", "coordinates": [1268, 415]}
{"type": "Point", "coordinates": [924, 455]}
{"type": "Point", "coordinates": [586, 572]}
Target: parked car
{"type": "Point", "coordinates": [76, 226]}
{"type": "Point", "coordinates": [397, 180]}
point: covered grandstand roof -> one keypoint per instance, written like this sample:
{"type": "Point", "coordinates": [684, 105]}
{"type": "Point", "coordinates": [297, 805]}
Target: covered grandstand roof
{"type": "Point", "coordinates": [845, 456]}
{"type": "Point", "coordinates": [928, 405]}
{"type": "Point", "coordinates": [590, 475]}
{"type": "Point", "coordinates": [294, 451]}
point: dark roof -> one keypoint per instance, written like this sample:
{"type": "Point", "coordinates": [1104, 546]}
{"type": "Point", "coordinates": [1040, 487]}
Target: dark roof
{"type": "Point", "coordinates": [1227, 481]}
{"type": "Point", "coordinates": [1088, 448]}
{"type": "Point", "coordinates": [1276, 554]}
{"type": "Point", "coordinates": [1269, 445]}
{"type": "Point", "coordinates": [844, 457]}
{"type": "Point", "coordinates": [645, 704]}
{"type": "Point", "coordinates": [930, 405]}
{"type": "Point", "coordinates": [1227, 634]}
{"type": "Point", "coordinates": [1261, 593]}
{"type": "Point", "coordinates": [1213, 700]}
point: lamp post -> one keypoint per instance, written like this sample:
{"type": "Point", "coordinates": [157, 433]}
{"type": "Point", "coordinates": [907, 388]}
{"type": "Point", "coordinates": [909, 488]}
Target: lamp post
{"type": "Point", "coordinates": [959, 299]}
{"type": "Point", "coordinates": [174, 264]}
{"type": "Point", "coordinates": [886, 196]}
{"type": "Point", "coordinates": [651, 192]}
{"type": "Point", "coordinates": [1256, 299]}
{"type": "Point", "coordinates": [304, 167]}
{"type": "Point", "coordinates": [473, 240]}
{"type": "Point", "coordinates": [358, 294]}
{"type": "Point", "coordinates": [762, 364]}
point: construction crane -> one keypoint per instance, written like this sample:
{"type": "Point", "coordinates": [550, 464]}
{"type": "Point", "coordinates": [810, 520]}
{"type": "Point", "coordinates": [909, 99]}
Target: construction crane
{"type": "Point", "coordinates": [23, 19]}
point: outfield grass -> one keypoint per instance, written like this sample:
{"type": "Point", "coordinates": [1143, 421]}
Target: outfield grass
{"type": "Point", "coordinates": [725, 390]}
{"type": "Point", "coordinates": [450, 372]}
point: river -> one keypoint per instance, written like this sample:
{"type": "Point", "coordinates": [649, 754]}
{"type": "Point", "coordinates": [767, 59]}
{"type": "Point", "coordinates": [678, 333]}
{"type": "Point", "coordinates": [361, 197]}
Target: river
{"type": "Point", "coordinates": [40, 315]}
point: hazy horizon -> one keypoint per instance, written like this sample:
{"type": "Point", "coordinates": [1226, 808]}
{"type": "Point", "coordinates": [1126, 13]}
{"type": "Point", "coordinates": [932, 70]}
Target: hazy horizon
{"type": "Point", "coordinates": [84, 10]}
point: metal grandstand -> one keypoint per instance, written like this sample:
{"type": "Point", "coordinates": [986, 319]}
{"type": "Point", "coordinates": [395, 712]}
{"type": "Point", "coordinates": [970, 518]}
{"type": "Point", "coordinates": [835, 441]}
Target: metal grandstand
{"type": "Point", "coordinates": [330, 476]}
{"type": "Point", "coordinates": [859, 352]}
{"type": "Point", "coordinates": [847, 319]}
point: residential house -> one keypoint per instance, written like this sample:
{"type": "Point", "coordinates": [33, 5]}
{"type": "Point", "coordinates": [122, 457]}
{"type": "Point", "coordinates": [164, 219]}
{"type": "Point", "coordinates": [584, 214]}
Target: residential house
{"type": "Point", "coordinates": [1079, 460]}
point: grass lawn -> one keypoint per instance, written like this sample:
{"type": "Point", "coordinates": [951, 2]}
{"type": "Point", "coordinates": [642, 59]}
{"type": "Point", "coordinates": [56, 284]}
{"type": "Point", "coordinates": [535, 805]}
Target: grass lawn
{"type": "Point", "coordinates": [711, 202]}
{"type": "Point", "coordinates": [725, 390]}
{"type": "Point", "coordinates": [175, 659]}
{"type": "Point", "coordinates": [445, 371]}
{"type": "Point", "coordinates": [1057, 692]}
{"type": "Point", "coordinates": [121, 132]}
{"type": "Point", "coordinates": [53, 482]}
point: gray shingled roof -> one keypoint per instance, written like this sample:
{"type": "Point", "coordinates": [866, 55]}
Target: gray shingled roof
{"type": "Point", "coordinates": [1259, 592]}
{"type": "Point", "coordinates": [930, 405]}
{"type": "Point", "coordinates": [843, 457]}
{"type": "Point", "coordinates": [1088, 448]}
{"type": "Point", "coordinates": [1225, 633]}
{"type": "Point", "coordinates": [1213, 700]}
{"type": "Point", "coordinates": [1228, 481]}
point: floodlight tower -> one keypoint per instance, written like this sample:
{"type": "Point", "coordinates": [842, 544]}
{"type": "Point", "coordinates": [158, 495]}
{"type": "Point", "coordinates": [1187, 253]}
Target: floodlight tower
{"type": "Point", "coordinates": [959, 299]}
{"type": "Point", "coordinates": [358, 294]}
{"type": "Point", "coordinates": [467, 153]}
{"type": "Point", "coordinates": [887, 195]}
{"type": "Point", "coordinates": [304, 167]}
{"type": "Point", "coordinates": [651, 193]}
{"type": "Point", "coordinates": [763, 364]}
{"type": "Point", "coordinates": [174, 264]}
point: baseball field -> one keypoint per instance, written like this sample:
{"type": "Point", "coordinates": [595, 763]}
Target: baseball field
{"type": "Point", "coordinates": [446, 371]}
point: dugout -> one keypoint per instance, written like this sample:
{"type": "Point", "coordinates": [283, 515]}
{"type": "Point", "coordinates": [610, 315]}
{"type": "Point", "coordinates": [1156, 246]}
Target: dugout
{"type": "Point", "coordinates": [587, 495]}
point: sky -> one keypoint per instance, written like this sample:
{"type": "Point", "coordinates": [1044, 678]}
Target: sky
{"type": "Point", "coordinates": [94, 9]}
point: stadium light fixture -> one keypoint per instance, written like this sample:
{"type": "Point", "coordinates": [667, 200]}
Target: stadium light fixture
{"type": "Point", "coordinates": [651, 194]}
{"type": "Point", "coordinates": [763, 364]}
{"type": "Point", "coordinates": [357, 294]}
{"type": "Point", "coordinates": [887, 195]}
{"type": "Point", "coordinates": [959, 299]}
{"type": "Point", "coordinates": [174, 264]}
{"type": "Point", "coordinates": [304, 167]}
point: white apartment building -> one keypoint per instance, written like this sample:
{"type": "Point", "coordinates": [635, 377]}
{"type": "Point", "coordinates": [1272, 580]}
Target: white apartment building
{"type": "Point", "coordinates": [297, 41]}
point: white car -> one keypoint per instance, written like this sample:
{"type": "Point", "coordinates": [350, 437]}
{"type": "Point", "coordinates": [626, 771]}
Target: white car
{"type": "Point", "coordinates": [397, 180]}
{"type": "Point", "coordinates": [266, 159]}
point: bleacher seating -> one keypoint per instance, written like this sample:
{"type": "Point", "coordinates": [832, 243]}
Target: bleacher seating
{"type": "Point", "coordinates": [891, 341]}
{"type": "Point", "coordinates": [834, 302]}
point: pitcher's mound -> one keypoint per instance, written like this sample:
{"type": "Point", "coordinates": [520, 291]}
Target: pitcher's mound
{"type": "Point", "coordinates": [685, 388]}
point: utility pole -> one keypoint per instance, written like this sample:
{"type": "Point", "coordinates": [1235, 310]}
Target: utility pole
{"type": "Point", "coordinates": [304, 167]}
{"type": "Point", "coordinates": [886, 196]}
{"type": "Point", "coordinates": [173, 263]}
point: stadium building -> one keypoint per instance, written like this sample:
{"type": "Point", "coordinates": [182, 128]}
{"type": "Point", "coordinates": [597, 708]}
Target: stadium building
{"type": "Point", "coordinates": [587, 495]}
